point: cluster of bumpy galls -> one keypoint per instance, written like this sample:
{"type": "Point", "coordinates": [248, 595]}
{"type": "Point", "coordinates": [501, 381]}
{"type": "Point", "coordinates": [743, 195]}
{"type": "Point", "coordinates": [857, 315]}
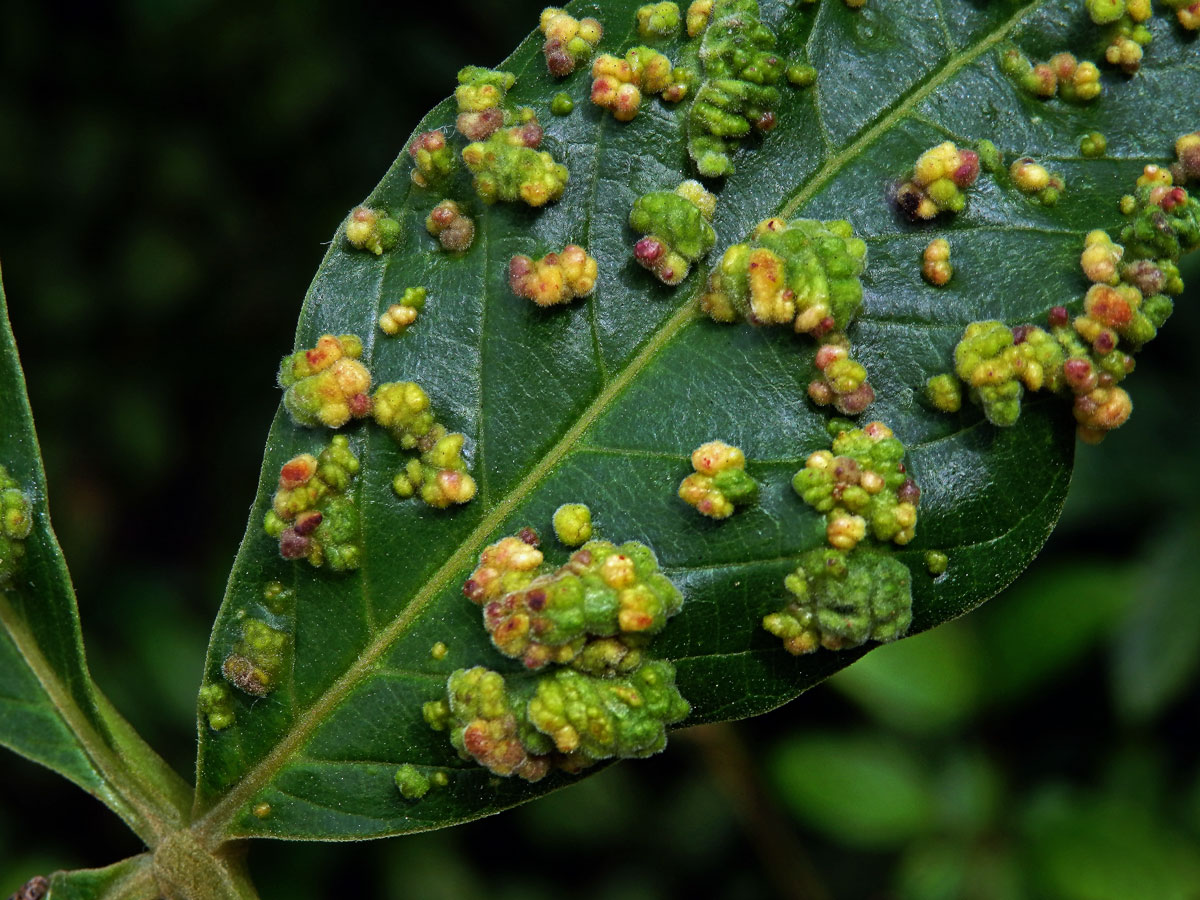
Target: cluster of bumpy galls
{"type": "Point", "coordinates": [326, 384]}
{"type": "Point", "coordinates": [936, 267]}
{"type": "Point", "coordinates": [481, 98]}
{"type": "Point", "coordinates": [16, 521]}
{"type": "Point", "coordinates": [554, 279]}
{"type": "Point", "coordinates": [433, 160]}
{"type": "Point", "coordinates": [255, 663]}
{"type": "Point", "coordinates": [569, 41]}
{"type": "Point", "coordinates": [372, 230]}
{"type": "Point", "coordinates": [802, 273]}
{"type": "Point", "coordinates": [843, 595]}
{"type": "Point", "coordinates": [619, 83]}
{"type": "Point", "coordinates": [675, 230]}
{"type": "Point", "coordinates": [624, 716]}
{"type": "Point", "coordinates": [1063, 75]}
{"type": "Point", "coordinates": [508, 166]}
{"type": "Point", "coordinates": [1087, 356]}
{"type": "Point", "coordinates": [488, 722]}
{"type": "Point", "coordinates": [503, 152]}
{"type": "Point", "coordinates": [215, 704]}
{"type": "Point", "coordinates": [805, 274]}
{"type": "Point", "coordinates": [257, 660]}
{"type": "Point", "coordinates": [841, 600]}
{"type": "Point", "coordinates": [311, 515]}
{"type": "Point", "coordinates": [658, 21]}
{"type": "Point", "coordinates": [591, 621]}
{"type": "Point", "coordinates": [1130, 31]}
{"type": "Point", "coordinates": [453, 228]}
{"type": "Point", "coordinates": [1031, 177]}
{"type": "Point", "coordinates": [861, 486]}
{"type": "Point", "coordinates": [719, 483]}
{"type": "Point", "coordinates": [737, 93]}
{"type": "Point", "coordinates": [938, 182]}
{"type": "Point", "coordinates": [397, 317]}
{"type": "Point", "coordinates": [843, 380]}
{"type": "Point", "coordinates": [439, 473]}
{"type": "Point", "coordinates": [602, 592]}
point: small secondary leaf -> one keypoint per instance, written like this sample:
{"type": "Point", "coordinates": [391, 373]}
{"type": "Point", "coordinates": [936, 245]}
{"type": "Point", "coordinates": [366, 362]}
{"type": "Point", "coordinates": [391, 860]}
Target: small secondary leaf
{"type": "Point", "coordinates": [129, 879]}
{"type": "Point", "coordinates": [50, 711]}
{"type": "Point", "coordinates": [602, 400]}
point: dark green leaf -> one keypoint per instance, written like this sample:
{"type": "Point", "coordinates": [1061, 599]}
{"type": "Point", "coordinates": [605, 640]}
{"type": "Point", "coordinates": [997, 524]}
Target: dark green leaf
{"type": "Point", "coordinates": [130, 879]}
{"type": "Point", "coordinates": [602, 401]}
{"type": "Point", "coordinates": [50, 711]}
{"type": "Point", "coordinates": [1155, 651]}
{"type": "Point", "coordinates": [858, 791]}
{"type": "Point", "coordinates": [1047, 623]}
{"type": "Point", "coordinates": [1106, 849]}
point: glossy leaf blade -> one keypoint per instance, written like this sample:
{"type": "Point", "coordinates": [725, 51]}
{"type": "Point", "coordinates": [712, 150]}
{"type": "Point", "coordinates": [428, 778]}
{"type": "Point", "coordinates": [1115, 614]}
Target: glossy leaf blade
{"type": "Point", "coordinates": [50, 711]}
{"type": "Point", "coordinates": [602, 401]}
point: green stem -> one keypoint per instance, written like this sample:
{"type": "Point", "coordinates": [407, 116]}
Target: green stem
{"type": "Point", "coordinates": [782, 855]}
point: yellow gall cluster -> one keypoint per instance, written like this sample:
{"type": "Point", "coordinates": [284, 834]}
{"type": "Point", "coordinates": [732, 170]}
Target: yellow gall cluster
{"type": "Point", "coordinates": [439, 476]}
{"type": "Point", "coordinates": [658, 20]}
{"type": "Point", "coordinates": [1031, 177]}
{"type": "Point", "coordinates": [453, 228]}
{"type": "Point", "coordinates": [861, 485]}
{"type": "Point", "coordinates": [1100, 258]}
{"type": "Point", "coordinates": [1125, 53]}
{"type": "Point", "coordinates": [618, 84]}
{"type": "Point", "coordinates": [310, 515]}
{"type": "Point", "coordinates": [1187, 154]}
{"type": "Point", "coordinates": [569, 41]}
{"type": "Point", "coordinates": [935, 262]}
{"type": "Point", "coordinates": [1155, 176]}
{"type": "Point", "coordinates": [399, 316]}
{"type": "Point", "coordinates": [326, 385]}
{"type": "Point", "coordinates": [439, 473]}
{"type": "Point", "coordinates": [1189, 16]}
{"type": "Point", "coordinates": [803, 273]}
{"type": "Point", "coordinates": [371, 230]}
{"type": "Point", "coordinates": [1099, 412]}
{"type": "Point", "coordinates": [720, 482]}
{"type": "Point", "coordinates": [938, 182]}
{"type": "Point", "coordinates": [480, 96]}
{"type": "Point", "coordinates": [432, 158]}
{"type": "Point", "coordinates": [509, 167]}
{"type": "Point", "coordinates": [505, 566]}
{"type": "Point", "coordinates": [555, 278]}
{"type": "Point", "coordinates": [698, 14]}
{"type": "Point", "coordinates": [843, 380]}
{"type": "Point", "coordinates": [1077, 81]}
{"type": "Point", "coordinates": [485, 726]}
{"type": "Point", "coordinates": [1062, 75]}
{"type": "Point", "coordinates": [603, 591]}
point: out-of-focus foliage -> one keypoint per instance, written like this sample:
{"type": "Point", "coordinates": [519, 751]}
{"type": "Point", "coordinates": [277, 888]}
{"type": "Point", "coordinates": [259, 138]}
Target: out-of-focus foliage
{"type": "Point", "coordinates": [168, 171]}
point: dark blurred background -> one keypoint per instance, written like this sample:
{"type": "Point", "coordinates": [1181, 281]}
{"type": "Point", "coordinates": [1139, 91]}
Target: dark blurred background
{"type": "Point", "coordinates": [169, 173]}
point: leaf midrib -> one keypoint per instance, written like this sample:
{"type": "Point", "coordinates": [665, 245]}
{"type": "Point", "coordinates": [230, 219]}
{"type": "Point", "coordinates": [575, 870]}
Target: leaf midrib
{"type": "Point", "coordinates": [212, 828]}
